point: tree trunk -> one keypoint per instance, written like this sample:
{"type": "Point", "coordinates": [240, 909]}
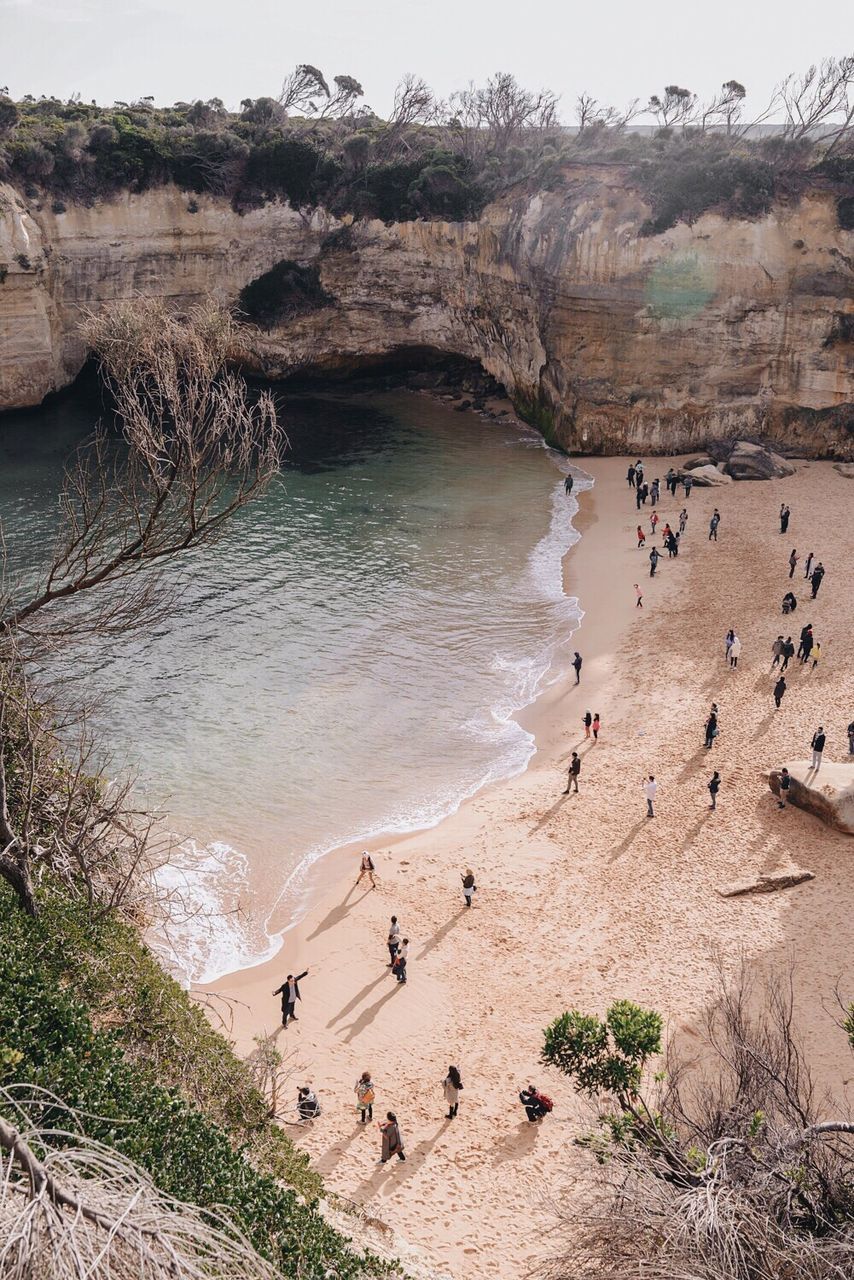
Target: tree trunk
{"type": "Point", "coordinates": [15, 870]}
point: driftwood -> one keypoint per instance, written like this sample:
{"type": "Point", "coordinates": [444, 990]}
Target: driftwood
{"type": "Point", "coordinates": [768, 883]}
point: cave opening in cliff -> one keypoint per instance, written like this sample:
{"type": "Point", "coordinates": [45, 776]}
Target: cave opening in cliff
{"type": "Point", "coordinates": [419, 368]}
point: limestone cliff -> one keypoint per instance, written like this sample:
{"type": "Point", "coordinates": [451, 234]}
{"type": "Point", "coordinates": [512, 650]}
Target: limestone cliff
{"type": "Point", "coordinates": [609, 340]}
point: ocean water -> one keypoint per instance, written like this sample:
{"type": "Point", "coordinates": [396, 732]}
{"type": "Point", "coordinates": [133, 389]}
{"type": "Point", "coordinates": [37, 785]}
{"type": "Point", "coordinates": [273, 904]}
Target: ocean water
{"type": "Point", "coordinates": [346, 661]}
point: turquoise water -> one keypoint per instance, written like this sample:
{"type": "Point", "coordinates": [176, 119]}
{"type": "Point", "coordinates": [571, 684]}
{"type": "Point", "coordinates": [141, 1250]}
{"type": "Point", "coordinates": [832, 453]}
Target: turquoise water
{"type": "Point", "coordinates": [346, 661]}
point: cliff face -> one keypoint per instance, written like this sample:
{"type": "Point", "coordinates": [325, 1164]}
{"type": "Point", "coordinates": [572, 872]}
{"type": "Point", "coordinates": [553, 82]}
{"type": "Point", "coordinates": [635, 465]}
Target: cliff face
{"type": "Point", "coordinates": [611, 342]}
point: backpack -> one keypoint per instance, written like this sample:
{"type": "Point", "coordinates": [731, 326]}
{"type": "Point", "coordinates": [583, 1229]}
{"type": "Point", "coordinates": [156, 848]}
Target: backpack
{"type": "Point", "coordinates": [545, 1102]}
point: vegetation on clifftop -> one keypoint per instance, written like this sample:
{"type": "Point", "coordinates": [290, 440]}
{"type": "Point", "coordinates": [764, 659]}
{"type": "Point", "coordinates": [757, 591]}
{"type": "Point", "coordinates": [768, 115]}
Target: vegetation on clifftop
{"type": "Point", "coordinates": [315, 144]}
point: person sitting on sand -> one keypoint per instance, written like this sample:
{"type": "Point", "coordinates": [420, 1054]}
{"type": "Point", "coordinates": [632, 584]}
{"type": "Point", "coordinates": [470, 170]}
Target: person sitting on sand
{"type": "Point", "coordinates": [790, 604]}
{"type": "Point", "coordinates": [308, 1108]}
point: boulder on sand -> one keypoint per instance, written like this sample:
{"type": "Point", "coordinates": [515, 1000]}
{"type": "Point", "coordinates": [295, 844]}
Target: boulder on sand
{"type": "Point", "coordinates": [708, 475]}
{"type": "Point", "coordinates": [827, 794]}
{"type": "Point", "coordinates": [754, 462]}
{"type": "Point", "coordinates": [696, 460]}
{"type": "Point", "coordinates": [845, 469]}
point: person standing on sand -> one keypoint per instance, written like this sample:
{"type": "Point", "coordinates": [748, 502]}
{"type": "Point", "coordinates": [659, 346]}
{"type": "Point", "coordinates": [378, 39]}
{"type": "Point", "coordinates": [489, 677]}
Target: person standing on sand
{"type": "Point", "coordinates": [816, 655]}
{"type": "Point", "coordinates": [641, 537]}
{"type": "Point", "coordinates": [597, 725]}
{"type": "Point", "coordinates": [785, 784]}
{"type": "Point", "coordinates": [808, 565]}
{"type": "Point", "coordinates": [777, 651]}
{"type": "Point", "coordinates": [688, 484]}
{"type": "Point", "coordinates": [655, 491]}
{"type": "Point", "coordinates": [779, 689]}
{"type": "Point", "coordinates": [793, 562]}
{"type": "Point", "coordinates": [653, 521]}
{"type": "Point", "coordinates": [711, 730]}
{"type": "Point", "coordinates": [638, 497]}
{"type": "Point", "coordinates": [713, 525]}
{"type": "Point", "coordinates": [714, 785]}
{"type": "Point", "coordinates": [567, 484]}
{"type": "Point", "coordinates": [806, 642]}
{"type": "Point", "coordinates": [639, 597]}
{"type": "Point", "coordinates": [574, 771]}
{"type": "Point", "coordinates": [653, 561]}
{"type": "Point", "coordinates": [784, 518]}
{"type": "Point", "coordinates": [630, 476]}
{"type": "Point", "coordinates": [393, 941]}
{"type": "Point", "coordinates": [816, 578]}
{"type": "Point", "coordinates": [683, 520]}
{"type": "Point", "coordinates": [469, 885]}
{"type": "Point", "coordinates": [788, 653]}
{"type": "Point", "coordinates": [399, 966]}
{"type": "Point", "coordinates": [365, 1095]}
{"type": "Point", "coordinates": [649, 790]}
{"type": "Point", "coordinates": [638, 473]}
{"type": "Point", "coordinates": [392, 1142]}
{"type": "Point", "coordinates": [452, 1088]}
{"type": "Point", "coordinates": [728, 639]}
{"type": "Point", "coordinates": [734, 652]}
{"type": "Point", "coordinates": [587, 721]}
{"type": "Point", "coordinates": [289, 991]}
{"type": "Point", "coordinates": [576, 662]}
{"type": "Point", "coordinates": [850, 732]}
{"type": "Point", "coordinates": [366, 868]}
{"type": "Point", "coordinates": [818, 740]}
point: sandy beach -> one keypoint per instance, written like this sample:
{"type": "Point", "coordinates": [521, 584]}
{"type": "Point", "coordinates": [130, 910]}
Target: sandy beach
{"type": "Point", "coordinates": [581, 899]}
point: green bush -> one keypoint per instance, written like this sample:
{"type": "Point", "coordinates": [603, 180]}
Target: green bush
{"type": "Point", "coordinates": [681, 190]}
{"type": "Point", "coordinates": [85, 1013]}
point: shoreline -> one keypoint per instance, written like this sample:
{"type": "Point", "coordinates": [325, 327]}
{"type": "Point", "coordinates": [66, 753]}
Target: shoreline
{"type": "Point", "coordinates": [581, 899]}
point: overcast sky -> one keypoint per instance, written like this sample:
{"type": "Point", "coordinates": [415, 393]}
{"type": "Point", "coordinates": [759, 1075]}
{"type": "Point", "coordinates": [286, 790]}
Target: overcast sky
{"type": "Point", "coordinates": [233, 49]}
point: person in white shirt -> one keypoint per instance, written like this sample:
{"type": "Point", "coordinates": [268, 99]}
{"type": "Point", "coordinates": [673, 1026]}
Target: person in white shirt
{"type": "Point", "coordinates": [393, 940]}
{"type": "Point", "coordinates": [734, 651]}
{"type": "Point", "coordinates": [649, 790]}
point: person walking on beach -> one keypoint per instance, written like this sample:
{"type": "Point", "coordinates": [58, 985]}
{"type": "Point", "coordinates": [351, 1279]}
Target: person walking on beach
{"type": "Point", "coordinates": [392, 1142]}
{"type": "Point", "coordinates": [785, 785]}
{"type": "Point", "coordinates": [638, 597]}
{"type": "Point", "coordinates": [365, 1095]}
{"type": "Point", "coordinates": [567, 485]}
{"type": "Point", "coordinates": [393, 941]}
{"type": "Point", "coordinates": [713, 525]}
{"type": "Point", "coordinates": [711, 730]}
{"type": "Point", "coordinates": [728, 639]}
{"type": "Point", "coordinates": [779, 689]}
{"type": "Point", "coordinates": [714, 785]}
{"type": "Point", "coordinates": [536, 1104]}
{"type": "Point", "coordinates": [399, 966]}
{"type": "Point", "coordinates": [574, 771]}
{"type": "Point", "coordinates": [366, 868]}
{"type": "Point", "coordinates": [688, 484]}
{"type": "Point", "coordinates": [289, 991]}
{"type": "Point", "coordinates": [649, 790]}
{"type": "Point", "coordinates": [469, 885]}
{"type": "Point", "coordinates": [587, 721]}
{"type": "Point", "coordinates": [653, 561]}
{"type": "Point", "coordinates": [597, 725]}
{"type": "Point", "coordinates": [638, 497]}
{"type": "Point", "coordinates": [816, 578]}
{"type": "Point", "coordinates": [777, 651]}
{"type": "Point", "coordinates": [818, 740]}
{"type": "Point", "coordinates": [806, 642]}
{"type": "Point", "coordinates": [788, 653]}
{"type": "Point", "coordinates": [452, 1087]}
{"type": "Point", "coordinates": [670, 481]}
{"type": "Point", "coordinates": [784, 518]}
{"type": "Point", "coordinates": [655, 491]}
{"type": "Point", "coordinates": [638, 473]}
{"type": "Point", "coordinates": [808, 565]}
{"type": "Point", "coordinates": [653, 521]}
{"type": "Point", "coordinates": [630, 476]}
{"type": "Point", "coordinates": [850, 732]}
{"type": "Point", "coordinates": [683, 520]}
{"type": "Point", "coordinates": [734, 652]}
{"type": "Point", "coordinates": [641, 537]}
{"type": "Point", "coordinates": [816, 655]}
{"type": "Point", "coordinates": [671, 541]}
{"type": "Point", "coordinates": [793, 562]}
{"type": "Point", "coordinates": [576, 662]}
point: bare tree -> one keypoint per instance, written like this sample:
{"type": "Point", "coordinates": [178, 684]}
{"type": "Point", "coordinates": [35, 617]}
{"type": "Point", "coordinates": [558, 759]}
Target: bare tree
{"type": "Point", "coordinates": [414, 104]}
{"type": "Point", "coordinates": [589, 112]}
{"type": "Point", "coordinates": [340, 104]}
{"type": "Point", "coordinates": [70, 1208]}
{"type": "Point", "coordinates": [674, 108]}
{"type": "Point", "coordinates": [197, 450]}
{"type": "Point", "coordinates": [724, 111]}
{"type": "Point", "coordinates": [819, 104]}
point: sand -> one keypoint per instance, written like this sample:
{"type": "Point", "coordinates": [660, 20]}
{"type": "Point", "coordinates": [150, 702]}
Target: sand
{"type": "Point", "coordinates": [582, 899]}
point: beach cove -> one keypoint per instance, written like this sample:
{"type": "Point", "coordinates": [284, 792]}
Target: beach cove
{"type": "Point", "coordinates": [581, 899]}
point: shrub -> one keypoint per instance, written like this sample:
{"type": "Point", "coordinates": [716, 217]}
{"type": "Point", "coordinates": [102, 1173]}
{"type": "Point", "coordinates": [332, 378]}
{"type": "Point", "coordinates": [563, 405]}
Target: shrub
{"type": "Point", "coordinates": [681, 190]}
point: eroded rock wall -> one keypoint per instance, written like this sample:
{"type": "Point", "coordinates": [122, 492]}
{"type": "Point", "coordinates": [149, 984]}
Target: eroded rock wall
{"type": "Point", "coordinates": [610, 341]}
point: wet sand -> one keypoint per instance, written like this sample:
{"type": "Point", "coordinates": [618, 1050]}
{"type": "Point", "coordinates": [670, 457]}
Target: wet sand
{"type": "Point", "coordinates": [582, 899]}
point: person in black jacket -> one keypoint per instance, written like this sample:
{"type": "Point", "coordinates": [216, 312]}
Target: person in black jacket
{"type": "Point", "coordinates": [576, 662]}
{"type": "Point", "coordinates": [714, 786]}
{"type": "Point", "coordinates": [530, 1100]}
{"type": "Point", "coordinates": [788, 653]}
{"type": "Point", "coordinates": [818, 740]}
{"type": "Point", "coordinates": [851, 738]}
{"type": "Point", "coordinates": [816, 577]}
{"type": "Point", "coordinates": [574, 771]}
{"type": "Point", "coordinates": [289, 991]}
{"type": "Point", "coordinates": [779, 689]}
